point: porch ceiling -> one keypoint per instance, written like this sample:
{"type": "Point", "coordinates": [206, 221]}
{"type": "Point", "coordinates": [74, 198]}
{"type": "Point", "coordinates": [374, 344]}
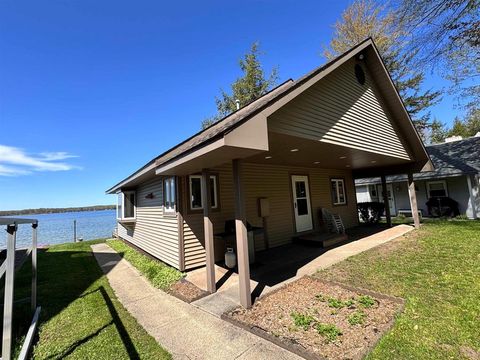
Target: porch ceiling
{"type": "Point", "coordinates": [311, 153]}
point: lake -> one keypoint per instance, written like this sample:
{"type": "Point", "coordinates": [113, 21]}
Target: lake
{"type": "Point", "coordinates": [58, 228]}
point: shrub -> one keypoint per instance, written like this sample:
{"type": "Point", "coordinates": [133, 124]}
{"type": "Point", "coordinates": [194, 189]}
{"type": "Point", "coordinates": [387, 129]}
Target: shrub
{"type": "Point", "coordinates": [302, 320]}
{"type": "Point", "coordinates": [357, 318]}
{"type": "Point", "coordinates": [338, 304]}
{"type": "Point", "coordinates": [370, 212]}
{"type": "Point", "coordinates": [366, 301]}
{"type": "Point", "coordinates": [330, 331]}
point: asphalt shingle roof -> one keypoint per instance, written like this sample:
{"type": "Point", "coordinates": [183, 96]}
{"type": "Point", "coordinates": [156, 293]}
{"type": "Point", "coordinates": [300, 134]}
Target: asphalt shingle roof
{"type": "Point", "coordinates": [449, 159]}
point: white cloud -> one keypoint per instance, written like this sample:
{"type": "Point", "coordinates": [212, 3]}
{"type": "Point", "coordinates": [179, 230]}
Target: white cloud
{"type": "Point", "coordinates": [15, 161]}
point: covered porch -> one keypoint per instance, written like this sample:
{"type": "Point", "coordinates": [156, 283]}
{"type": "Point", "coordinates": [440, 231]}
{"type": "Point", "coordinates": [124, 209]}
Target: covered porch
{"type": "Point", "coordinates": [275, 267]}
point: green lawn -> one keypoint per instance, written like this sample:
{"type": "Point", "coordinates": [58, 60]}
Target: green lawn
{"type": "Point", "coordinates": [81, 318]}
{"type": "Point", "coordinates": [159, 274]}
{"type": "Point", "coordinates": [437, 271]}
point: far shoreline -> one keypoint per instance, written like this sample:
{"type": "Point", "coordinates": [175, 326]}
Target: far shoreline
{"type": "Point", "coordinates": [56, 210]}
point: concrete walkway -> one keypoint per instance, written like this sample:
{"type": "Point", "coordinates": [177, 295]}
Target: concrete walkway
{"type": "Point", "coordinates": [186, 331]}
{"type": "Point", "coordinates": [227, 296]}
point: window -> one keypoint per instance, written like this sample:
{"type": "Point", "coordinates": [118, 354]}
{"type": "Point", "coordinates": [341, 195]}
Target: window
{"type": "Point", "coordinates": [126, 205]}
{"type": "Point", "coordinates": [437, 189]}
{"type": "Point", "coordinates": [195, 183]}
{"type": "Point", "coordinates": [338, 192]}
{"type": "Point", "coordinates": [373, 192]}
{"type": "Point", "coordinates": [169, 195]}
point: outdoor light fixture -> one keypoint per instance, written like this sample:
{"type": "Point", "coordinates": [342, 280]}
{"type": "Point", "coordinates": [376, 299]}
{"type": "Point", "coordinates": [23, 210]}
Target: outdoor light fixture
{"type": "Point", "coordinates": [149, 196]}
{"type": "Point", "coordinates": [373, 161]}
{"type": "Point", "coordinates": [294, 150]}
{"type": "Point", "coordinates": [268, 157]}
{"type": "Point", "coordinates": [317, 162]}
{"type": "Point", "coordinates": [343, 157]}
{"type": "Point", "coordinates": [347, 165]}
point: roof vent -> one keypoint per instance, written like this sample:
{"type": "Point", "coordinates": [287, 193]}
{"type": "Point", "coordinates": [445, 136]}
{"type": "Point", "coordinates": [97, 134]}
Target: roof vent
{"type": "Point", "coordinates": [477, 134]}
{"type": "Point", "coordinates": [237, 102]}
{"type": "Point", "coordinates": [453, 138]}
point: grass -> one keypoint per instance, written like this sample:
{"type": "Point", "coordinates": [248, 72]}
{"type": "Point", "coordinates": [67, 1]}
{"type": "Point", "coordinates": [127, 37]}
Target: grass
{"type": "Point", "coordinates": [81, 318]}
{"type": "Point", "coordinates": [436, 270]}
{"type": "Point", "coordinates": [159, 274]}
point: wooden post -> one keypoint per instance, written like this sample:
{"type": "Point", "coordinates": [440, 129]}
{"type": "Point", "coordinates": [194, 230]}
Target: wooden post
{"type": "Point", "coordinates": [74, 231]}
{"type": "Point", "coordinates": [472, 195]}
{"type": "Point", "coordinates": [208, 232]}
{"type": "Point", "coordinates": [241, 234]}
{"type": "Point", "coordinates": [8, 297]}
{"type": "Point", "coordinates": [413, 200]}
{"type": "Point", "coordinates": [388, 216]}
{"type": "Point", "coordinates": [34, 267]}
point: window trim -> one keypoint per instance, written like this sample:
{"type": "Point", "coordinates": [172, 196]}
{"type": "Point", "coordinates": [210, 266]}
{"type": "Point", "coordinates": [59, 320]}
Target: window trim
{"type": "Point", "coordinates": [122, 194]}
{"type": "Point", "coordinates": [169, 210]}
{"type": "Point", "coordinates": [189, 192]}
{"type": "Point", "coordinates": [443, 182]}
{"type": "Point", "coordinates": [337, 180]}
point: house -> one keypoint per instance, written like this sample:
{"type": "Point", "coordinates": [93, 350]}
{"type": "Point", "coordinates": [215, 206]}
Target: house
{"type": "Point", "coordinates": [456, 175]}
{"type": "Point", "coordinates": [273, 164]}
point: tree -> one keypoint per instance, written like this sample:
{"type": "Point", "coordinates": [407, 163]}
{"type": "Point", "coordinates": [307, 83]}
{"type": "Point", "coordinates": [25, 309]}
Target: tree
{"type": "Point", "coordinates": [446, 37]}
{"type": "Point", "coordinates": [366, 18]}
{"type": "Point", "coordinates": [459, 128]}
{"type": "Point", "coordinates": [438, 132]}
{"type": "Point", "coordinates": [247, 88]}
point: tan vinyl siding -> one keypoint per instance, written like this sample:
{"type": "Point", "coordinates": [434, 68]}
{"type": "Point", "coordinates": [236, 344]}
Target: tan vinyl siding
{"type": "Point", "coordinates": [273, 182]}
{"type": "Point", "coordinates": [153, 232]}
{"type": "Point", "coordinates": [340, 111]}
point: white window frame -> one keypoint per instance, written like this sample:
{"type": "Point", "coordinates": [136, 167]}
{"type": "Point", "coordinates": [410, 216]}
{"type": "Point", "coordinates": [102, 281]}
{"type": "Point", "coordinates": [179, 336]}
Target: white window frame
{"type": "Point", "coordinates": [443, 182]}
{"type": "Point", "coordinates": [338, 181]}
{"type": "Point", "coordinates": [169, 210]}
{"type": "Point", "coordinates": [122, 215]}
{"type": "Point", "coordinates": [215, 191]}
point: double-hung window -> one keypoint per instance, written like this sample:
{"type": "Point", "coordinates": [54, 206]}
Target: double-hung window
{"type": "Point", "coordinates": [338, 192]}
{"type": "Point", "coordinates": [195, 191]}
{"type": "Point", "coordinates": [437, 188]}
{"type": "Point", "coordinates": [169, 195]}
{"type": "Point", "coordinates": [126, 205]}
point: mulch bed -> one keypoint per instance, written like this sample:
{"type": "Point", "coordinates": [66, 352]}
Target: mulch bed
{"type": "Point", "coordinates": [320, 320]}
{"type": "Point", "coordinates": [186, 291]}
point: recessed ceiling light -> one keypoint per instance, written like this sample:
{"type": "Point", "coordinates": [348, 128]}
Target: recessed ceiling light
{"type": "Point", "coordinates": [268, 157]}
{"type": "Point", "coordinates": [373, 161]}
{"type": "Point", "coordinates": [343, 157]}
{"type": "Point", "coordinates": [293, 150]}
{"type": "Point", "coordinates": [317, 162]}
{"type": "Point", "coordinates": [347, 165]}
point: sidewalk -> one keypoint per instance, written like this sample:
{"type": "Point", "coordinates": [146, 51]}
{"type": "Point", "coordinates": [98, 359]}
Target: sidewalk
{"type": "Point", "coordinates": [186, 331]}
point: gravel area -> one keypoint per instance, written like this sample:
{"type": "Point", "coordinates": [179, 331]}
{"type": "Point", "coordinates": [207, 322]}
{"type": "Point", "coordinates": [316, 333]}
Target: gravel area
{"type": "Point", "coordinates": [186, 291]}
{"type": "Point", "coordinates": [327, 320]}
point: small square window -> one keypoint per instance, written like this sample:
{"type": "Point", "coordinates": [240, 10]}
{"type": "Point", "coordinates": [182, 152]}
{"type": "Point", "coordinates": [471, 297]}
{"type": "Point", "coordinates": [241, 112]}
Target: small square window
{"type": "Point", "coordinates": [195, 187]}
{"type": "Point", "coordinates": [169, 195]}
{"type": "Point", "coordinates": [437, 189]}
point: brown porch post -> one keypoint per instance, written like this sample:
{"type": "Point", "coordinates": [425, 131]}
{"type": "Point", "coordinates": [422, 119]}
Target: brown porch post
{"type": "Point", "coordinates": [413, 200]}
{"type": "Point", "coordinates": [208, 232]}
{"type": "Point", "coordinates": [388, 216]}
{"type": "Point", "coordinates": [241, 234]}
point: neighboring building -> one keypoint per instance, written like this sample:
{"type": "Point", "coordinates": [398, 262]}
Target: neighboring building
{"type": "Point", "coordinates": [274, 163]}
{"type": "Point", "coordinates": [456, 175]}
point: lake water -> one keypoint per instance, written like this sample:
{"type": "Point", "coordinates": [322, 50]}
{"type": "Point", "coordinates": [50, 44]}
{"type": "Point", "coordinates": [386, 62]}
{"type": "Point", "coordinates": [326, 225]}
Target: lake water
{"type": "Point", "coordinates": [58, 228]}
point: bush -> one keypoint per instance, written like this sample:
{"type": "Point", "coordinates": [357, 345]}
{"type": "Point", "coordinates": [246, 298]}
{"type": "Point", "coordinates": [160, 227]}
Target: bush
{"type": "Point", "coordinates": [370, 212]}
{"type": "Point", "coordinates": [330, 331]}
{"type": "Point", "coordinates": [357, 318]}
{"type": "Point", "coordinates": [302, 320]}
{"type": "Point", "coordinates": [366, 301]}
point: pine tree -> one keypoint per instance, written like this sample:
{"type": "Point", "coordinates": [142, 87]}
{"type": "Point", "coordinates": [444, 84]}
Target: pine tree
{"type": "Point", "coordinates": [366, 18]}
{"type": "Point", "coordinates": [247, 88]}
{"type": "Point", "coordinates": [438, 132]}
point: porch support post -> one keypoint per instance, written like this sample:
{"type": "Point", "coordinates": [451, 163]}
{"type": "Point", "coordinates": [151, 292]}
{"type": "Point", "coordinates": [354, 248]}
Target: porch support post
{"type": "Point", "coordinates": [472, 195]}
{"type": "Point", "coordinates": [208, 232]}
{"type": "Point", "coordinates": [241, 235]}
{"type": "Point", "coordinates": [413, 200]}
{"type": "Point", "coordinates": [388, 216]}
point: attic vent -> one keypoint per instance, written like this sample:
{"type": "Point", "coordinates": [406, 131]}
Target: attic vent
{"type": "Point", "coordinates": [359, 74]}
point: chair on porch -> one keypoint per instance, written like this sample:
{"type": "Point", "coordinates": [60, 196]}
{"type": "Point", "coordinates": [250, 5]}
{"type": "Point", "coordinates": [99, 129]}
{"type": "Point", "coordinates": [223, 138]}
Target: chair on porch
{"type": "Point", "coordinates": [333, 222]}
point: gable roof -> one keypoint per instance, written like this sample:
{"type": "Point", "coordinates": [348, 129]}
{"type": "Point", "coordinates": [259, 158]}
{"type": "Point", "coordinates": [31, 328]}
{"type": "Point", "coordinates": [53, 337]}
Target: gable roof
{"type": "Point", "coordinates": [242, 115]}
{"type": "Point", "coordinates": [450, 159]}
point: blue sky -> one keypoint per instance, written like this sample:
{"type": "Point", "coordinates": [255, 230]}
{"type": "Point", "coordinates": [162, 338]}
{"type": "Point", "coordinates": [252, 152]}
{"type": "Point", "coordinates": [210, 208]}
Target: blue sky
{"type": "Point", "coordinates": [91, 90]}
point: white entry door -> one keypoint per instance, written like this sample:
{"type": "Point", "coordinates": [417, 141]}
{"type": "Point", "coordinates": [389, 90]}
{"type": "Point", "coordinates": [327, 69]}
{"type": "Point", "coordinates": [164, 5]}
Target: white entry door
{"type": "Point", "coordinates": [301, 203]}
{"type": "Point", "coordinates": [391, 198]}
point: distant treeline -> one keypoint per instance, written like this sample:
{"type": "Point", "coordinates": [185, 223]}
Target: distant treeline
{"type": "Point", "coordinates": [56, 210]}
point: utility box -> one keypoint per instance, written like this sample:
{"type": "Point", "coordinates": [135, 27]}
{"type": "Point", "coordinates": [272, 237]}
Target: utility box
{"type": "Point", "coordinates": [263, 207]}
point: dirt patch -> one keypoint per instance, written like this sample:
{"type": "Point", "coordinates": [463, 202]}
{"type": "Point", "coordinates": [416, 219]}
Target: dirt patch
{"type": "Point", "coordinates": [186, 291]}
{"type": "Point", "coordinates": [318, 319]}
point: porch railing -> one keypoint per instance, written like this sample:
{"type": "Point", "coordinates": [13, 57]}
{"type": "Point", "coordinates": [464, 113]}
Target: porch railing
{"type": "Point", "coordinates": [8, 269]}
